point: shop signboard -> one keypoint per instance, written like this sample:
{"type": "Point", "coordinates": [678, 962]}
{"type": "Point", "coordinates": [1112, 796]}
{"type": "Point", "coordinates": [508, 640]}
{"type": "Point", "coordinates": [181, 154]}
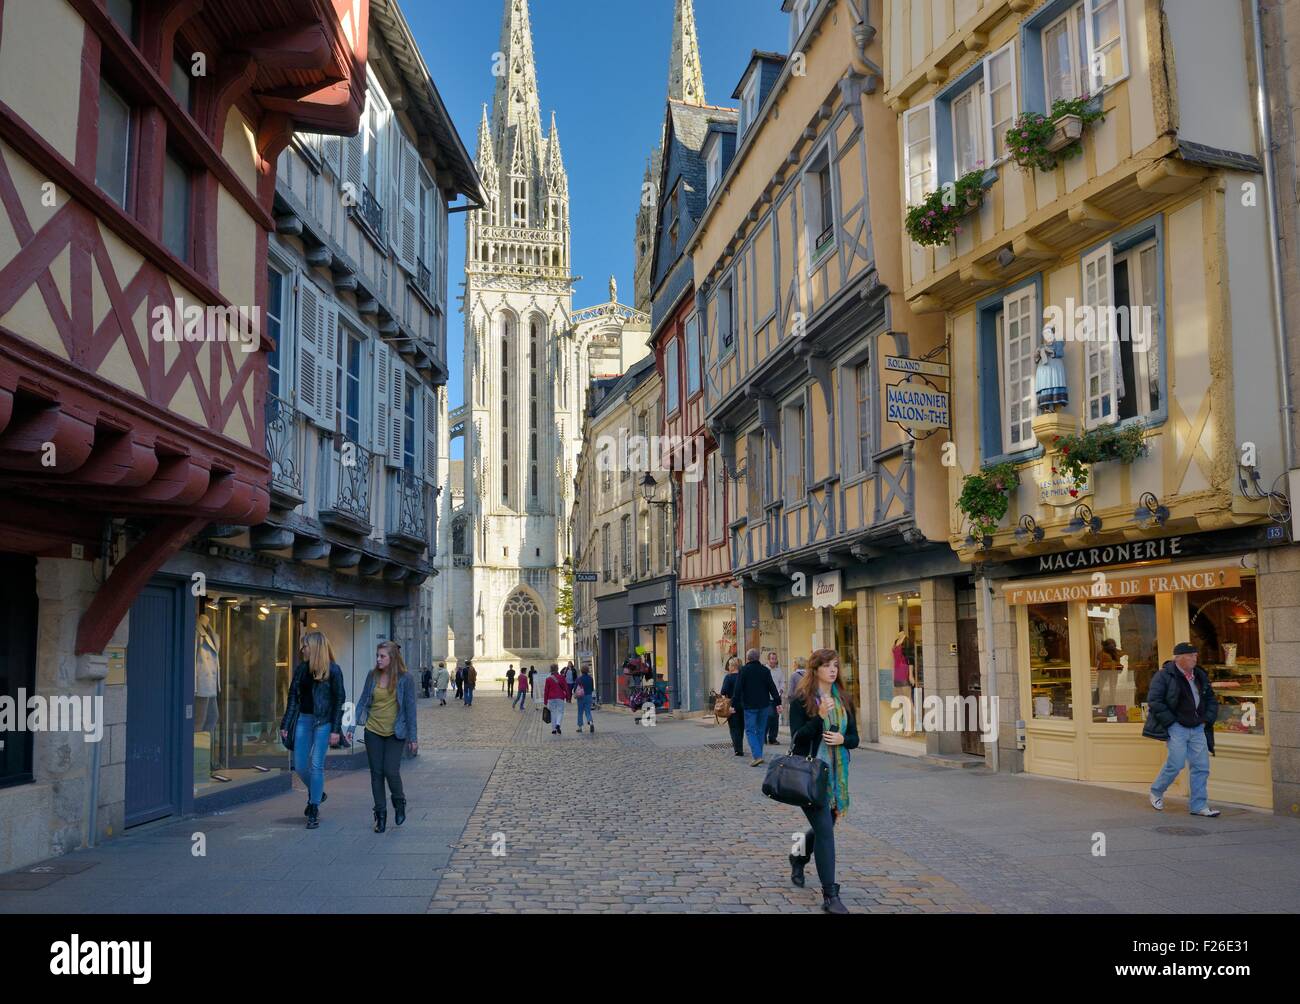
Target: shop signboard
{"type": "Point", "coordinates": [1119, 585]}
{"type": "Point", "coordinates": [1061, 489]}
{"type": "Point", "coordinates": [826, 589]}
{"type": "Point", "coordinates": [586, 577]}
{"type": "Point", "coordinates": [901, 364]}
{"type": "Point", "coordinates": [917, 406]}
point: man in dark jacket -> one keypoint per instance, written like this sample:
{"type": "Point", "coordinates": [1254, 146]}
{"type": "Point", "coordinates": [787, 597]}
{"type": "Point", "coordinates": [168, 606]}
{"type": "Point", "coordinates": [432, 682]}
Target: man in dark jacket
{"type": "Point", "coordinates": [1181, 708]}
{"type": "Point", "coordinates": [757, 693]}
{"type": "Point", "coordinates": [510, 682]}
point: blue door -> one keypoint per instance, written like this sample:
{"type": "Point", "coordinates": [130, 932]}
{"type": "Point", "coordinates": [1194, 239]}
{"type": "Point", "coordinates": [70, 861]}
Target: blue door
{"type": "Point", "coordinates": [153, 675]}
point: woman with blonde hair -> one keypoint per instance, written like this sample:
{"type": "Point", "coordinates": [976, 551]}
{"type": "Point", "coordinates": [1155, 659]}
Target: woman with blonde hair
{"type": "Point", "coordinates": [387, 710]}
{"type": "Point", "coordinates": [823, 724]}
{"type": "Point", "coordinates": [736, 720]}
{"type": "Point", "coordinates": [313, 719]}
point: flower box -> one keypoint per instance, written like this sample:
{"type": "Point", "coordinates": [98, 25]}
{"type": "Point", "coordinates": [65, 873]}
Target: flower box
{"type": "Point", "coordinates": [1068, 130]}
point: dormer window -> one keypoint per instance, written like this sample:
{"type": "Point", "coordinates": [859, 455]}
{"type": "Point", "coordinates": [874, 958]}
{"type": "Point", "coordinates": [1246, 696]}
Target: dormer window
{"type": "Point", "coordinates": [713, 162]}
{"type": "Point", "coordinates": [800, 12]}
{"type": "Point", "coordinates": [749, 103]}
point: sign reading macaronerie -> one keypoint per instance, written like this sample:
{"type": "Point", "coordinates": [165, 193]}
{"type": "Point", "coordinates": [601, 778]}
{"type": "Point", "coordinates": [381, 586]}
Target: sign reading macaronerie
{"type": "Point", "coordinates": [1113, 554]}
{"type": "Point", "coordinates": [1118, 585]}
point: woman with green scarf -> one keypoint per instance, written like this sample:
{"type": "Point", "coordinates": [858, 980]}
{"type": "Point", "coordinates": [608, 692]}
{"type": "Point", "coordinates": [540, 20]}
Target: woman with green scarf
{"type": "Point", "coordinates": [823, 725]}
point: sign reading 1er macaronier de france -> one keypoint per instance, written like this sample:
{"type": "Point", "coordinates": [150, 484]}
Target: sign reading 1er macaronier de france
{"type": "Point", "coordinates": [916, 406]}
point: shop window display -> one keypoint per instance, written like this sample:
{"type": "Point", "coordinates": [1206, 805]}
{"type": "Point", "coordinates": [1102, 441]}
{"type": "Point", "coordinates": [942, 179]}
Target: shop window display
{"type": "Point", "coordinates": [1124, 647]}
{"type": "Point", "coordinates": [1224, 627]}
{"type": "Point", "coordinates": [242, 669]}
{"type": "Point", "coordinates": [1049, 661]}
{"type": "Point", "coordinates": [846, 644]}
{"type": "Point", "coordinates": [899, 620]}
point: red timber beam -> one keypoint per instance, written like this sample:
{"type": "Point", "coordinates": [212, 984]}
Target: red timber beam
{"type": "Point", "coordinates": [131, 575]}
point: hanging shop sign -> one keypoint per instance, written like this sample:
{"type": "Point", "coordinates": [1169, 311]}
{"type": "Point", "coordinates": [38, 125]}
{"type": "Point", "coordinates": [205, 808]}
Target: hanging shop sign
{"type": "Point", "coordinates": [826, 589]}
{"type": "Point", "coordinates": [1061, 490]}
{"type": "Point", "coordinates": [901, 364]}
{"type": "Point", "coordinates": [1119, 585]}
{"type": "Point", "coordinates": [917, 406]}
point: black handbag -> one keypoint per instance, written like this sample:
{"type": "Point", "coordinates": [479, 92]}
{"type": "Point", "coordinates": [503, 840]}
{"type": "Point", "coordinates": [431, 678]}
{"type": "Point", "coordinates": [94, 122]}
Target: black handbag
{"type": "Point", "coordinates": [291, 727]}
{"type": "Point", "coordinates": [798, 780]}
{"type": "Point", "coordinates": [546, 714]}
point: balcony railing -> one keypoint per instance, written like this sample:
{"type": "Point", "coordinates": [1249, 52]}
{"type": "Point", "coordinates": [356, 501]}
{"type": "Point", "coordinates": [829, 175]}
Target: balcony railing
{"type": "Point", "coordinates": [346, 499]}
{"type": "Point", "coordinates": [408, 523]}
{"type": "Point", "coordinates": [284, 436]}
{"type": "Point", "coordinates": [370, 211]}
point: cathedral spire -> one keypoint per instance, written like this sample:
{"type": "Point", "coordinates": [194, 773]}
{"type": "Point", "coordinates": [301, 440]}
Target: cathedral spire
{"type": "Point", "coordinates": [516, 111]}
{"type": "Point", "coordinates": [685, 73]}
{"type": "Point", "coordinates": [554, 159]}
{"type": "Point", "coordinates": [486, 161]}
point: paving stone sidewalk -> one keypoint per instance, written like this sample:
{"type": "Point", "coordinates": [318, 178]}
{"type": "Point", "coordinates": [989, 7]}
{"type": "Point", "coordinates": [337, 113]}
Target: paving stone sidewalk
{"type": "Point", "coordinates": [507, 818]}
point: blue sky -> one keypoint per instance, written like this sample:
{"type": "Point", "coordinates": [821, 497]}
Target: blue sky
{"type": "Point", "coordinates": [602, 66]}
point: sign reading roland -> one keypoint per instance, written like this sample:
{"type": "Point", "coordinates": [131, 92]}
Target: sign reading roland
{"type": "Point", "coordinates": [917, 407]}
{"type": "Point", "coordinates": [901, 364]}
{"type": "Point", "coordinates": [826, 589]}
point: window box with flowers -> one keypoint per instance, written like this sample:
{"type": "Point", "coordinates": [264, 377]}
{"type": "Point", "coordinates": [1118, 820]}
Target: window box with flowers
{"type": "Point", "coordinates": [937, 218]}
{"type": "Point", "coordinates": [1043, 141]}
{"type": "Point", "coordinates": [985, 498]}
{"type": "Point", "coordinates": [1074, 454]}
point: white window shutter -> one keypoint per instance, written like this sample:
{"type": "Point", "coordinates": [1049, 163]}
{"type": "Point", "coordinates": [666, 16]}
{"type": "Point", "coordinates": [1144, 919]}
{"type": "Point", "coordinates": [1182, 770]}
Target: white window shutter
{"type": "Point", "coordinates": [396, 413]}
{"type": "Point", "coordinates": [1093, 76]}
{"type": "Point", "coordinates": [354, 164]}
{"type": "Point", "coordinates": [383, 382]}
{"type": "Point", "coordinates": [1099, 360]}
{"type": "Point", "coordinates": [1007, 54]}
{"type": "Point", "coordinates": [327, 361]}
{"type": "Point", "coordinates": [408, 234]}
{"type": "Point", "coordinates": [430, 436]}
{"type": "Point", "coordinates": [1020, 334]}
{"type": "Point", "coordinates": [309, 349]}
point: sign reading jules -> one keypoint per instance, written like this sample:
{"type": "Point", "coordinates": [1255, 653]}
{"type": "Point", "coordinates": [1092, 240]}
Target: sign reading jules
{"type": "Point", "coordinates": [917, 405]}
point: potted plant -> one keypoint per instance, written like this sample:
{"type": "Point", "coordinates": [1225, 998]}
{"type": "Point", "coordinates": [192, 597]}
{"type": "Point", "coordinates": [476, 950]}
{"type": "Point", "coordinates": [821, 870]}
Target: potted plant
{"type": "Point", "coordinates": [935, 219]}
{"type": "Point", "coordinates": [1107, 443]}
{"type": "Point", "coordinates": [1042, 141]}
{"type": "Point", "coordinates": [985, 498]}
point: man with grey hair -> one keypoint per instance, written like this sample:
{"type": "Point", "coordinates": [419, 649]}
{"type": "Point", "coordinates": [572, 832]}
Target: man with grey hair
{"type": "Point", "coordinates": [778, 678]}
{"type": "Point", "coordinates": [757, 693]}
{"type": "Point", "coordinates": [1181, 710]}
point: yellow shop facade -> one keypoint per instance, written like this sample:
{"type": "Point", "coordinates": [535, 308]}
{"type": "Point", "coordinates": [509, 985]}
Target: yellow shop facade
{"type": "Point", "coordinates": [1112, 299]}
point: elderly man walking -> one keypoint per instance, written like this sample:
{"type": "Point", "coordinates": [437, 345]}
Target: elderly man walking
{"type": "Point", "coordinates": [757, 695]}
{"type": "Point", "coordinates": [778, 679]}
{"type": "Point", "coordinates": [1181, 711]}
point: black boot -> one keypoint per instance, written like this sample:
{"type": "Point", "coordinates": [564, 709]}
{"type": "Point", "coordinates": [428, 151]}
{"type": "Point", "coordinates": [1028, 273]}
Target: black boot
{"type": "Point", "coordinates": [797, 865]}
{"type": "Point", "coordinates": [399, 811]}
{"type": "Point", "coordinates": [831, 900]}
{"type": "Point", "coordinates": [313, 816]}
{"type": "Point", "coordinates": [381, 820]}
{"type": "Point", "coordinates": [307, 811]}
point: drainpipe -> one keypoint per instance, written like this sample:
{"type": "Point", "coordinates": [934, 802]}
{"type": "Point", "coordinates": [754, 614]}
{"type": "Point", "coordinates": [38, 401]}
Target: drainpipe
{"type": "Point", "coordinates": [1274, 244]}
{"type": "Point", "coordinates": [92, 812]}
{"type": "Point", "coordinates": [991, 749]}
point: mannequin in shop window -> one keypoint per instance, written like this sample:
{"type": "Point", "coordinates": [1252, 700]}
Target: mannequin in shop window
{"type": "Point", "coordinates": [1110, 663]}
{"type": "Point", "coordinates": [904, 661]}
{"type": "Point", "coordinates": [207, 675]}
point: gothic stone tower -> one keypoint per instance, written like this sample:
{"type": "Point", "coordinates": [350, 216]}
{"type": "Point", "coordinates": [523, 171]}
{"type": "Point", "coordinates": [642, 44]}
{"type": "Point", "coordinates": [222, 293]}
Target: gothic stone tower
{"type": "Point", "coordinates": [518, 296]}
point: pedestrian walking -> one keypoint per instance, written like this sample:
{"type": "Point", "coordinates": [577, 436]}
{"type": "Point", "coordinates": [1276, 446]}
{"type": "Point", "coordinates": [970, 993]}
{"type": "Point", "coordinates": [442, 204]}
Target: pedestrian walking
{"type": "Point", "coordinates": [1181, 708]}
{"type": "Point", "coordinates": [510, 683]}
{"type": "Point", "coordinates": [778, 679]}
{"type": "Point", "coordinates": [313, 717]}
{"type": "Point", "coordinates": [387, 710]}
{"type": "Point", "coordinates": [823, 724]}
{"type": "Point", "coordinates": [800, 668]}
{"type": "Point", "coordinates": [471, 681]}
{"type": "Point", "coordinates": [757, 693]}
{"type": "Point", "coordinates": [426, 681]}
{"type": "Point", "coordinates": [532, 684]}
{"type": "Point", "coordinates": [736, 720]}
{"type": "Point", "coordinates": [523, 691]}
{"type": "Point", "coordinates": [440, 681]}
{"type": "Point", "coordinates": [460, 681]}
{"type": "Point", "coordinates": [556, 695]}
{"type": "Point", "coordinates": [585, 691]}
{"type": "Point", "coordinates": [571, 680]}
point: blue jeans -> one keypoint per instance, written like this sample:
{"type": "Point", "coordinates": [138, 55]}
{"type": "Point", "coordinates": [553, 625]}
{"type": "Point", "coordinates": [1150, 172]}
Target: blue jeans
{"type": "Point", "coordinates": [584, 708]}
{"type": "Point", "coordinates": [1186, 746]}
{"type": "Point", "coordinates": [469, 696]}
{"type": "Point", "coordinates": [521, 699]}
{"type": "Point", "coordinates": [756, 728]}
{"type": "Point", "coordinates": [310, 744]}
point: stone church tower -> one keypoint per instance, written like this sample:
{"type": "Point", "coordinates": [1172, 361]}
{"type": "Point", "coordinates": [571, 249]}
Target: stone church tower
{"type": "Point", "coordinates": [503, 530]}
{"type": "Point", "coordinates": [686, 84]}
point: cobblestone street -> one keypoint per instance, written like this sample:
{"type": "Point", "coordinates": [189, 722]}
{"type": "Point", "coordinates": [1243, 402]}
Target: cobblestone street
{"type": "Point", "coordinates": [635, 819]}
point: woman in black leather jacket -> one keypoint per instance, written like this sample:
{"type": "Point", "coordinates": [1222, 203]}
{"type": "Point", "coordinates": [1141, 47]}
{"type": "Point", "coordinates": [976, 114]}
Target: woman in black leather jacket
{"type": "Point", "coordinates": [823, 725]}
{"type": "Point", "coordinates": [313, 720]}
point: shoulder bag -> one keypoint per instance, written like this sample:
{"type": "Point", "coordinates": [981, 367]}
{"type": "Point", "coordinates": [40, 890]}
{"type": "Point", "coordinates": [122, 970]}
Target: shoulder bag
{"type": "Point", "coordinates": [722, 709]}
{"type": "Point", "coordinates": [798, 780]}
{"type": "Point", "coordinates": [546, 714]}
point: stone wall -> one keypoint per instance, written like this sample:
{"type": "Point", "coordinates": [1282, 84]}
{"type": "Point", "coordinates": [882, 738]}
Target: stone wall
{"type": "Point", "coordinates": [1010, 759]}
{"type": "Point", "coordinates": [939, 650]}
{"type": "Point", "coordinates": [1279, 597]}
{"type": "Point", "coordinates": [50, 816]}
